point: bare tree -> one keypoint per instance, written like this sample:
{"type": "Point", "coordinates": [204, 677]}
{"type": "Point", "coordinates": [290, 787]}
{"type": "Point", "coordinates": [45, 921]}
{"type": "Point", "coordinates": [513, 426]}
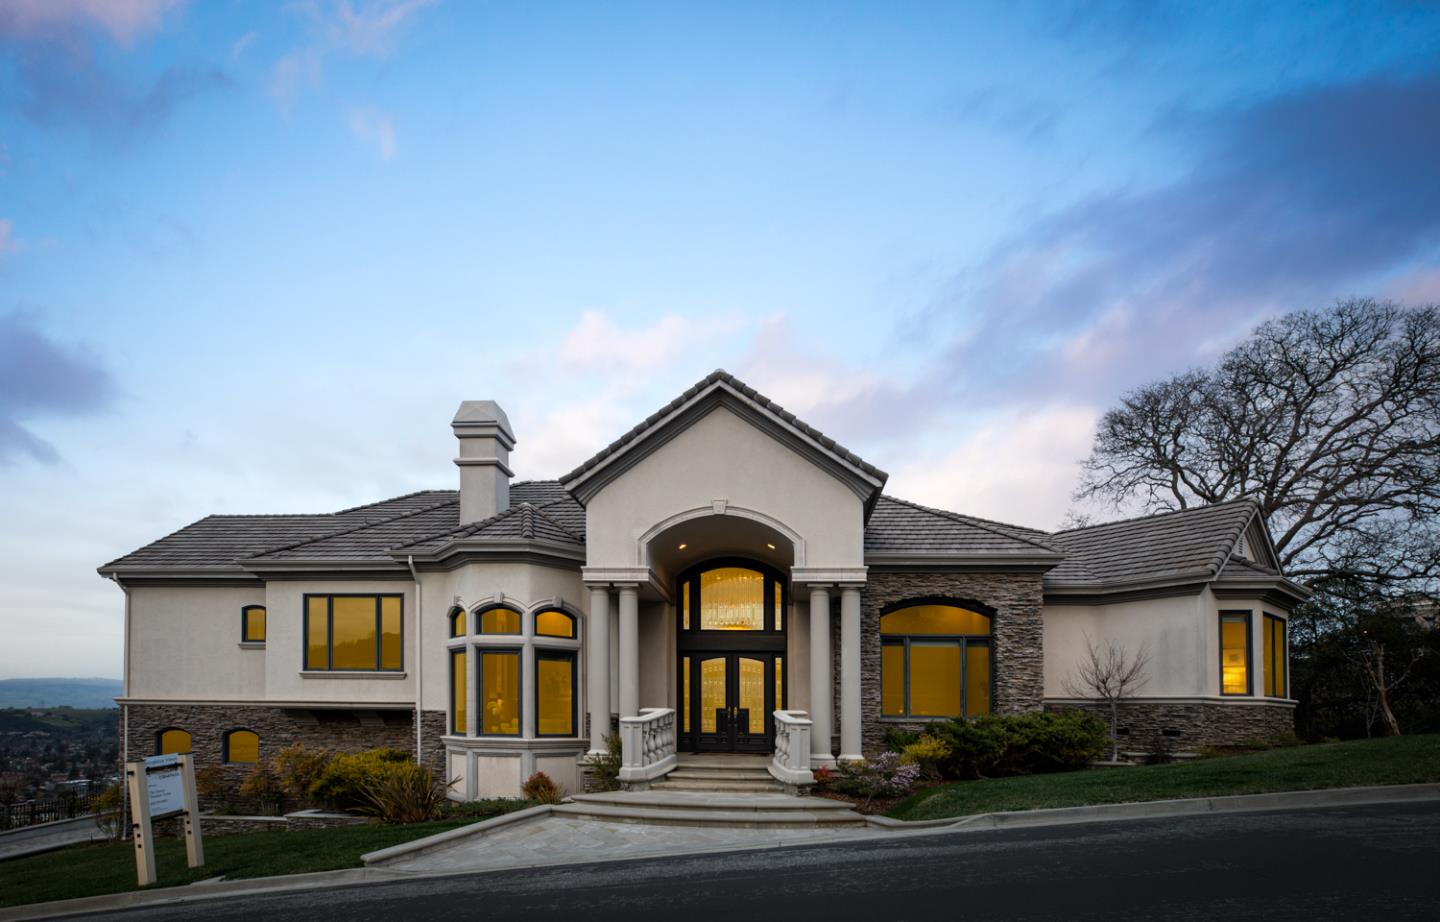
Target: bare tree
{"type": "Point", "coordinates": [1330, 419]}
{"type": "Point", "coordinates": [1109, 674]}
{"type": "Point", "coordinates": [1384, 679]}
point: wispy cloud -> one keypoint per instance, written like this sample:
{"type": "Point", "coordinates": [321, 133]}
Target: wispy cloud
{"type": "Point", "coordinates": [42, 378]}
{"type": "Point", "coordinates": [242, 44]}
{"type": "Point", "coordinates": [376, 129]}
{"type": "Point", "coordinates": [339, 26]}
{"type": "Point", "coordinates": [124, 21]}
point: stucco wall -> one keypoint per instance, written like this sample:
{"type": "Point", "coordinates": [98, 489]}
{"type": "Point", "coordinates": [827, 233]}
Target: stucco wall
{"type": "Point", "coordinates": [185, 644]}
{"type": "Point", "coordinates": [721, 456]}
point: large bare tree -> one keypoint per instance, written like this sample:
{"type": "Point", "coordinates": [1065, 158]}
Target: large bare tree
{"type": "Point", "coordinates": [1330, 419]}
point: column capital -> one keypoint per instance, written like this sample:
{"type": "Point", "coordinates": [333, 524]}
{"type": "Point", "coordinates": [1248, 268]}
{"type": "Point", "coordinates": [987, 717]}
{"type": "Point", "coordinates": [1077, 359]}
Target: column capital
{"type": "Point", "coordinates": [602, 577]}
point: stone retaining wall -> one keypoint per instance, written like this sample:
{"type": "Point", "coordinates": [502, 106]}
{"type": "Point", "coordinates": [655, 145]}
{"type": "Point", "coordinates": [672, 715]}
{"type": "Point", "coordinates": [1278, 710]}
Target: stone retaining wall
{"type": "Point", "coordinates": [1178, 727]}
{"type": "Point", "coordinates": [336, 730]}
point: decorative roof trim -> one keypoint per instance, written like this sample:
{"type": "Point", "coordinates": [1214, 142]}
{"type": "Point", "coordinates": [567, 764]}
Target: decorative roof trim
{"type": "Point", "coordinates": [720, 388]}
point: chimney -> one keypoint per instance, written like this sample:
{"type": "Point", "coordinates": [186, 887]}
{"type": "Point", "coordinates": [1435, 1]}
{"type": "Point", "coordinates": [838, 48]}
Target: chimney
{"type": "Point", "coordinates": [485, 443]}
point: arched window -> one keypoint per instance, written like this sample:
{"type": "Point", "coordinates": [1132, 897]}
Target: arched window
{"type": "Point", "coordinates": [252, 624]}
{"type": "Point", "coordinates": [172, 740]}
{"type": "Point", "coordinates": [934, 661]}
{"type": "Point", "coordinates": [553, 623]}
{"type": "Point", "coordinates": [731, 595]}
{"type": "Point", "coordinates": [457, 622]}
{"type": "Point", "coordinates": [242, 746]}
{"type": "Point", "coordinates": [499, 621]}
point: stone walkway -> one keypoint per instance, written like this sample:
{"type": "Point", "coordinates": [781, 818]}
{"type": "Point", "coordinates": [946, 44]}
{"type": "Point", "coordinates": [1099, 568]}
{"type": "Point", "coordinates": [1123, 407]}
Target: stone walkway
{"type": "Point", "coordinates": [558, 840]}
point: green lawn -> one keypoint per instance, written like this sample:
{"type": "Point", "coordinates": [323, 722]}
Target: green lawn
{"type": "Point", "coordinates": [1400, 760]}
{"type": "Point", "coordinates": [90, 870]}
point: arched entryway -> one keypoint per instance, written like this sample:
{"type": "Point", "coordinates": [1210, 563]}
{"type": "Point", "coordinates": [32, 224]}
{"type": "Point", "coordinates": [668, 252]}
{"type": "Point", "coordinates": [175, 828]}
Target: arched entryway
{"type": "Point", "coordinates": [731, 619]}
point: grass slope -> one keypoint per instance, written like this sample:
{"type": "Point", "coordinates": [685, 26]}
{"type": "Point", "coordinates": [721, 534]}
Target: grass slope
{"type": "Point", "coordinates": [91, 870]}
{"type": "Point", "coordinates": [1399, 760]}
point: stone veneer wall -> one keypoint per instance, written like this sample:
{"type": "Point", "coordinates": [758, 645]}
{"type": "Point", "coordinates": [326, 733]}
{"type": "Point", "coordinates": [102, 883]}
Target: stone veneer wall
{"type": "Point", "coordinates": [1017, 638]}
{"type": "Point", "coordinates": [1152, 727]}
{"type": "Point", "coordinates": [337, 730]}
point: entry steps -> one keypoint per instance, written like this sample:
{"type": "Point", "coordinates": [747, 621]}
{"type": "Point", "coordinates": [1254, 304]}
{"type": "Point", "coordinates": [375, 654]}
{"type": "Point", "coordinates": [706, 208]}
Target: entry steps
{"type": "Point", "coordinates": [693, 808]}
{"type": "Point", "coordinates": [720, 774]}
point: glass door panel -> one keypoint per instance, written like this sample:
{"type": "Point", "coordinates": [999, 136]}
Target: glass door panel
{"type": "Point", "coordinates": [714, 701]}
{"type": "Point", "coordinates": [751, 697]}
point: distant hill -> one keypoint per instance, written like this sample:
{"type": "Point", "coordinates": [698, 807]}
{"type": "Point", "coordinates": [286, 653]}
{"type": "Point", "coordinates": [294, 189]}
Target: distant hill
{"type": "Point", "coordinates": [51, 693]}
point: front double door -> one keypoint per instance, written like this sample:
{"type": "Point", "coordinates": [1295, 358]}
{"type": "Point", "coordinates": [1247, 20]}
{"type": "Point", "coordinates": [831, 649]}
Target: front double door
{"type": "Point", "coordinates": [732, 697]}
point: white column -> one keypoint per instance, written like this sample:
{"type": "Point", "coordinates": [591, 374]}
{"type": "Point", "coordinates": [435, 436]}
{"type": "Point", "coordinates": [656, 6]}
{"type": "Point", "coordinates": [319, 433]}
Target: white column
{"type": "Point", "coordinates": [629, 651]}
{"type": "Point", "coordinates": [851, 745]}
{"type": "Point", "coordinates": [822, 688]}
{"type": "Point", "coordinates": [597, 660]}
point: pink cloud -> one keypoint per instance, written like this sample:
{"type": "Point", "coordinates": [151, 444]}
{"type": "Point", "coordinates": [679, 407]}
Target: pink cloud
{"type": "Point", "coordinates": [123, 20]}
{"type": "Point", "coordinates": [1418, 286]}
{"type": "Point", "coordinates": [7, 241]}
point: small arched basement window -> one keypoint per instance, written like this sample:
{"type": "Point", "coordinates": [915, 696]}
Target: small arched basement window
{"type": "Point", "coordinates": [242, 746]}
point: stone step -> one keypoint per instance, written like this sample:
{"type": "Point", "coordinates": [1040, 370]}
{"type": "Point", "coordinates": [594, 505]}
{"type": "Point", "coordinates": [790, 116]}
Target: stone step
{"type": "Point", "coordinates": [710, 784]}
{"type": "Point", "coordinates": [726, 761]}
{"type": "Point", "coordinates": [696, 800]}
{"type": "Point", "coordinates": [659, 816]}
{"type": "Point", "coordinates": [721, 774]}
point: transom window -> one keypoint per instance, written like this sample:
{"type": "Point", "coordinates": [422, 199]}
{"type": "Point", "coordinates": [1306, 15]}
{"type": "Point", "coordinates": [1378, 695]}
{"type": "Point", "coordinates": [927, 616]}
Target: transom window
{"type": "Point", "coordinates": [553, 623]}
{"type": "Point", "coordinates": [457, 622]}
{"type": "Point", "coordinates": [500, 621]}
{"type": "Point", "coordinates": [731, 596]}
{"type": "Point", "coordinates": [252, 624]}
{"type": "Point", "coordinates": [934, 662]}
{"type": "Point", "coordinates": [353, 632]}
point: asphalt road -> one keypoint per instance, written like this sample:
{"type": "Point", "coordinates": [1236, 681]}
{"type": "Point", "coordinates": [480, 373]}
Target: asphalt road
{"type": "Point", "coordinates": [1370, 863]}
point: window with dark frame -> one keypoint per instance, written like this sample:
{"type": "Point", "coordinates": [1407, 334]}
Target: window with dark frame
{"type": "Point", "coordinates": [252, 624]}
{"type": "Point", "coordinates": [1235, 653]}
{"type": "Point", "coordinates": [555, 697]}
{"type": "Point", "coordinates": [354, 633]}
{"type": "Point", "coordinates": [242, 747]}
{"type": "Point", "coordinates": [935, 661]}
{"type": "Point", "coordinates": [1275, 651]}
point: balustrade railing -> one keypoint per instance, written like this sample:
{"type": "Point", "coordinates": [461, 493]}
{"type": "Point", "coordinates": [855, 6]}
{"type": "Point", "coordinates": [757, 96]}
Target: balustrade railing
{"type": "Point", "coordinates": [647, 745]}
{"type": "Point", "coordinates": [791, 763]}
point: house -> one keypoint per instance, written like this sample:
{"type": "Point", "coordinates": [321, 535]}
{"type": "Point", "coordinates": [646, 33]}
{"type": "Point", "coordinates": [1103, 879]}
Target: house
{"type": "Point", "coordinates": [722, 577]}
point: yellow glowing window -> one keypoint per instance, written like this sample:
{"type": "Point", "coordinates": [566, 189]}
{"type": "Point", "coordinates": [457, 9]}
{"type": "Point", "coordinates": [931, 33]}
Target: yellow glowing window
{"type": "Point", "coordinates": [732, 599]}
{"type": "Point", "coordinates": [173, 741]}
{"type": "Point", "coordinates": [353, 632]}
{"type": "Point", "coordinates": [242, 746]}
{"type": "Point", "coordinates": [685, 697]}
{"type": "Point", "coordinates": [1235, 653]}
{"type": "Point", "coordinates": [252, 624]}
{"type": "Point", "coordinates": [779, 608]}
{"type": "Point", "coordinates": [554, 624]}
{"type": "Point", "coordinates": [935, 619]}
{"type": "Point", "coordinates": [500, 621]}
{"type": "Point", "coordinates": [934, 680]}
{"type": "Point", "coordinates": [780, 683]}
{"type": "Point", "coordinates": [685, 606]}
{"type": "Point", "coordinates": [459, 692]}
{"type": "Point", "coordinates": [892, 680]}
{"type": "Point", "coordinates": [554, 694]}
{"type": "Point", "coordinates": [1276, 684]}
{"type": "Point", "coordinates": [977, 679]}
{"type": "Point", "coordinates": [500, 693]}
{"type": "Point", "coordinates": [457, 623]}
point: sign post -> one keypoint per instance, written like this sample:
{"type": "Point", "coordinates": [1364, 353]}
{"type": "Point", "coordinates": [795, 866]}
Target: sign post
{"type": "Point", "coordinates": [162, 786]}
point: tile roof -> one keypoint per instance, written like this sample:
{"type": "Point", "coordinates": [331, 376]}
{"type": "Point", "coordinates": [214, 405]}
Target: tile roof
{"type": "Point", "coordinates": [1190, 540]}
{"type": "Point", "coordinates": [525, 522]}
{"type": "Point", "coordinates": [723, 376]}
{"type": "Point", "coordinates": [901, 527]}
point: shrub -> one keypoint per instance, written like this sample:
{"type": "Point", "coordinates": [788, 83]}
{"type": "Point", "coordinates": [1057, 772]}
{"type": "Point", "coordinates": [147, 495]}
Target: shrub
{"type": "Point", "coordinates": [212, 787]}
{"type": "Point", "coordinates": [342, 782]}
{"type": "Point", "coordinates": [824, 778]}
{"type": "Point", "coordinates": [882, 776]}
{"type": "Point", "coordinates": [488, 807]}
{"type": "Point", "coordinates": [107, 806]}
{"type": "Point", "coordinates": [927, 752]}
{"type": "Point", "coordinates": [897, 739]}
{"type": "Point", "coordinates": [542, 790]}
{"type": "Point", "coordinates": [263, 783]}
{"type": "Point", "coordinates": [401, 792]}
{"type": "Point", "coordinates": [1019, 744]}
{"type": "Point", "coordinates": [605, 767]}
{"type": "Point", "coordinates": [299, 767]}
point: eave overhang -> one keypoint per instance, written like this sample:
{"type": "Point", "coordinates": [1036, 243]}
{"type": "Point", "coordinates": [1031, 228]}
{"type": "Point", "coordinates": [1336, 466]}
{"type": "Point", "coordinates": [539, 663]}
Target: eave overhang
{"type": "Point", "coordinates": [491, 550]}
{"type": "Point", "coordinates": [942, 561]}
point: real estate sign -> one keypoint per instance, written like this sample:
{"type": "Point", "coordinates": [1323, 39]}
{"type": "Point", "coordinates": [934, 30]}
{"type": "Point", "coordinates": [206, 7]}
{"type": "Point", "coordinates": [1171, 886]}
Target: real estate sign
{"type": "Point", "coordinates": [163, 785]}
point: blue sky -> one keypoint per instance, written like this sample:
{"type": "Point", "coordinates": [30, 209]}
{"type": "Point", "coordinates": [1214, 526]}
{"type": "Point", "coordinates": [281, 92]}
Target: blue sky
{"type": "Point", "coordinates": [252, 256]}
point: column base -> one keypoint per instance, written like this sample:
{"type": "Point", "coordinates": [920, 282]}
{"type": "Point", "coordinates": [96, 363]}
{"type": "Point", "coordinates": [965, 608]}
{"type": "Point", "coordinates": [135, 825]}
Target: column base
{"type": "Point", "coordinates": [857, 757]}
{"type": "Point", "coordinates": [821, 760]}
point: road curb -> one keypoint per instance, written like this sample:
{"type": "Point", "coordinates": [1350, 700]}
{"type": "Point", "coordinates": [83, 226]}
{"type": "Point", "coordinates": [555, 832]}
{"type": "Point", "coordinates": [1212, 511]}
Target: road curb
{"type": "Point", "coordinates": [1156, 809]}
{"type": "Point", "coordinates": [1060, 816]}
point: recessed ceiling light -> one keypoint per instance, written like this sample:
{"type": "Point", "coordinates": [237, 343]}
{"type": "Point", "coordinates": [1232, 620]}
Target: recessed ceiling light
{"type": "Point", "coordinates": [684, 546]}
{"type": "Point", "coordinates": [770, 546]}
